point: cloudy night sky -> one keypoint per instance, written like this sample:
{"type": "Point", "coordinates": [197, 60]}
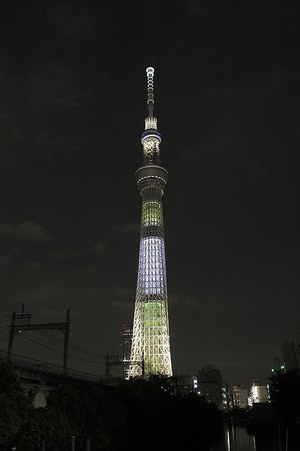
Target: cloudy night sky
{"type": "Point", "coordinates": [72, 109]}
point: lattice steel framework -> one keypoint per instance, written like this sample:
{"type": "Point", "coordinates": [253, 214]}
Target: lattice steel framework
{"type": "Point", "coordinates": [150, 350]}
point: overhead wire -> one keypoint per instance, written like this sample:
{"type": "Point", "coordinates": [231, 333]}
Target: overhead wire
{"type": "Point", "coordinates": [58, 340]}
{"type": "Point", "coordinates": [71, 345]}
{"type": "Point", "coordinates": [59, 352]}
{"type": "Point", "coordinates": [74, 347]}
{"type": "Point", "coordinates": [4, 314]}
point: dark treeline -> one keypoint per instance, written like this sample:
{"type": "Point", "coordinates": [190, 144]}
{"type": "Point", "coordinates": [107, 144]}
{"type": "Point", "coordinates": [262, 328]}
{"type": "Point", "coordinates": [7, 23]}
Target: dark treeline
{"type": "Point", "coordinates": [132, 416]}
{"type": "Point", "coordinates": [285, 396]}
{"type": "Point", "coordinates": [279, 420]}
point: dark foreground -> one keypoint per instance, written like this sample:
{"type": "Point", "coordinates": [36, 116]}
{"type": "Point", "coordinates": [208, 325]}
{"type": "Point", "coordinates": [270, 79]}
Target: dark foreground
{"type": "Point", "coordinates": [133, 415]}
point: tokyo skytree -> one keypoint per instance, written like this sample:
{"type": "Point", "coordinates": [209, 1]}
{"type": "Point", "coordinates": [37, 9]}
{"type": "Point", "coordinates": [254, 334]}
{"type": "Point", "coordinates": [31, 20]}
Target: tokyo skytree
{"type": "Point", "coordinates": [150, 349]}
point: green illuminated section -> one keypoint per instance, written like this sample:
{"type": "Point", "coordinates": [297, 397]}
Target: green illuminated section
{"type": "Point", "coordinates": [151, 213]}
{"type": "Point", "coordinates": [154, 330]}
{"type": "Point", "coordinates": [153, 313]}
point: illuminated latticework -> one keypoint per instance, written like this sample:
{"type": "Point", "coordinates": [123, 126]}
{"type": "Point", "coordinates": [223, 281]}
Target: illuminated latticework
{"type": "Point", "coordinates": [150, 351]}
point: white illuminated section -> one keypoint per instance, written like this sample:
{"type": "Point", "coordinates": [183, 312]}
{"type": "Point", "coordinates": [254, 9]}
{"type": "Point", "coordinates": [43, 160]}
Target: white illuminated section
{"type": "Point", "coordinates": [151, 123]}
{"type": "Point", "coordinates": [150, 88]}
{"type": "Point", "coordinates": [150, 145]}
{"type": "Point", "coordinates": [151, 266]}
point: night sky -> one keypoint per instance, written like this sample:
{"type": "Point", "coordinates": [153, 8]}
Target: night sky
{"type": "Point", "coordinates": [72, 109]}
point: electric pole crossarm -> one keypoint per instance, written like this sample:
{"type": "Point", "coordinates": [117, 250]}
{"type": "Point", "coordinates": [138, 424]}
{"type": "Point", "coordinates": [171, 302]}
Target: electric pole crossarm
{"type": "Point", "coordinates": [50, 326]}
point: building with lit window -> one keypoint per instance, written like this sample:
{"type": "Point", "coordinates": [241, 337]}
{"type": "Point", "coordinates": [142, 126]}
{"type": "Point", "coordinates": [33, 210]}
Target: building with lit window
{"type": "Point", "coordinates": [210, 385]}
{"type": "Point", "coordinates": [259, 393]}
{"type": "Point", "coordinates": [240, 396]}
{"type": "Point", "coordinates": [126, 333]}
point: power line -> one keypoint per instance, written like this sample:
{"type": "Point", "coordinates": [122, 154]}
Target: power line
{"type": "Point", "coordinates": [59, 352]}
{"type": "Point", "coordinates": [47, 363]}
{"type": "Point", "coordinates": [75, 347]}
{"type": "Point", "coordinates": [4, 316]}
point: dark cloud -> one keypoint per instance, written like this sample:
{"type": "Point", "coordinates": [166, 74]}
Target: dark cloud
{"type": "Point", "coordinates": [65, 254]}
{"type": "Point", "coordinates": [99, 248]}
{"type": "Point", "coordinates": [5, 261]}
{"type": "Point", "coordinates": [133, 227]}
{"type": "Point", "coordinates": [26, 231]}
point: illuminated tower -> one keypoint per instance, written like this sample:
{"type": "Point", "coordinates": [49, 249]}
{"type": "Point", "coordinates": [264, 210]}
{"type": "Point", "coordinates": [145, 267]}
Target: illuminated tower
{"type": "Point", "coordinates": [150, 351]}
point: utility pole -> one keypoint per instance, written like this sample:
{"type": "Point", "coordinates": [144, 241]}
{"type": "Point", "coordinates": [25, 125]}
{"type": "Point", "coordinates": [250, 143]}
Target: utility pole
{"type": "Point", "coordinates": [11, 335]}
{"type": "Point", "coordinates": [14, 329]}
{"type": "Point", "coordinates": [107, 366]}
{"type": "Point", "coordinates": [66, 343]}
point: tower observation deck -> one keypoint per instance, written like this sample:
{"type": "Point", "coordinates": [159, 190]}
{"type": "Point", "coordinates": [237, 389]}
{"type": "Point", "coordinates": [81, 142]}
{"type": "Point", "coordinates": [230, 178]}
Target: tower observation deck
{"type": "Point", "coordinates": [150, 349]}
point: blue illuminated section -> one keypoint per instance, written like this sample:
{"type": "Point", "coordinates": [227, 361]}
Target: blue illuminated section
{"type": "Point", "coordinates": [151, 134]}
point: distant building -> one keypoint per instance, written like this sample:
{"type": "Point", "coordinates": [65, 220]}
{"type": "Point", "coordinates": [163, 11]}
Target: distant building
{"type": "Point", "coordinates": [210, 385]}
{"type": "Point", "coordinates": [278, 366]}
{"type": "Point", "coordinates": [240, 396]}
{"type": "Point", "coordinates": [126, 333]}
{"type": "Point", "coordinates": [297, 346]}
{"type": "Point", "coordinates": [185, 384]}
{"type": "Point", "coordinates": [289, 355]}
{"type": "Point", "coordinates": [195, 385]}
{"type": "Point", "coordinates": [259, 393]}
{"type": "Point", "coordinates": [225, 397]}
{"type": "Point", "coordinates": [230, 401]}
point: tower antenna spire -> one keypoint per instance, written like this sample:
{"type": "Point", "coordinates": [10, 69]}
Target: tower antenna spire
{"type": "Point", "coordinates": [150, 89]}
